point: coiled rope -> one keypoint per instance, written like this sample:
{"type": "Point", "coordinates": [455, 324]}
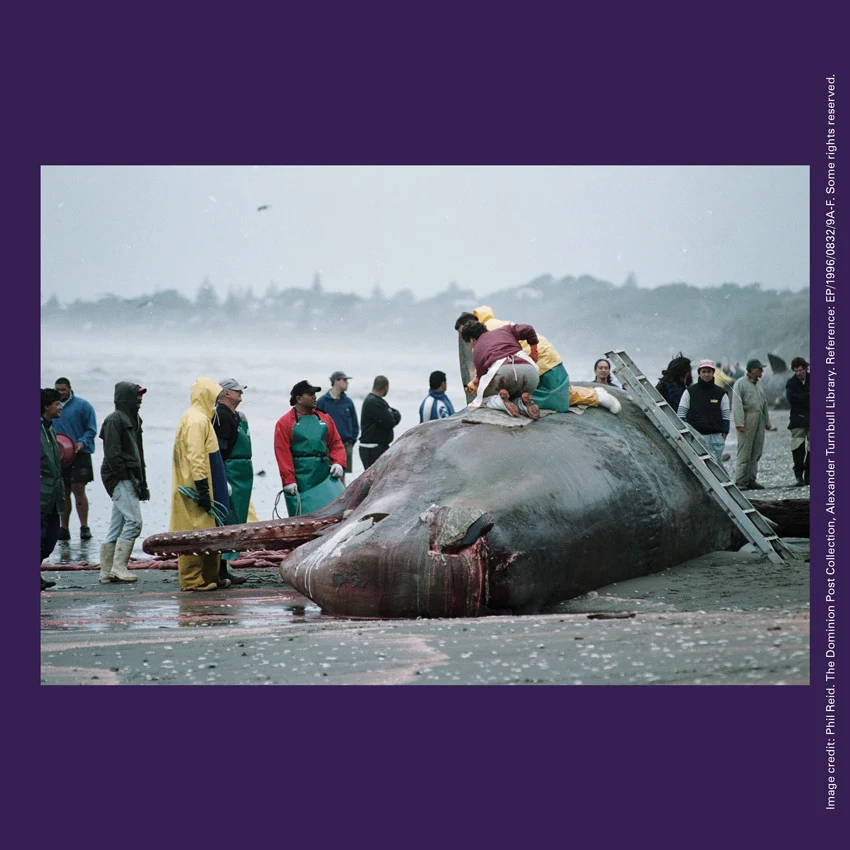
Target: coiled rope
{"type": "Point", "coordinates": [275, 514]}
{"type": "Point", "coordinates": [217, 510]}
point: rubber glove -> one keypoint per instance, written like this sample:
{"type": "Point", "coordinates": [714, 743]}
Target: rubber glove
{"type": "Point", "coordinates": [290, 489]}
{"type": "Point", "coordinates": [336, 470]}
{"type": "Point", "coordinates": [203, 488]}
{"type": "Point", "coordinates": [534, 354]}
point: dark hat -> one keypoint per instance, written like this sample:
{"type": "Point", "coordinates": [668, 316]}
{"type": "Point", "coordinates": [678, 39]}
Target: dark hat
{"type": "Point", "coordinates": [303, 387]}
{"type": "Point", "coordinates": [339, 376]}
{"type": "Point", "coordinates": [754, 364]}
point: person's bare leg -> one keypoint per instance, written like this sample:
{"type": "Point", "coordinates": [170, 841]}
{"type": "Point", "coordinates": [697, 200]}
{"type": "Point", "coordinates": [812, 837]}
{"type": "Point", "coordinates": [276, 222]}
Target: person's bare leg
{"type": "Point", "coordinates": [82, 502]}
{"type": "Point", "coordinates": [66, 514]}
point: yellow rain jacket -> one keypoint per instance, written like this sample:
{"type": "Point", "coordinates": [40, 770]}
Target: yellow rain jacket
{"type": "Point", "coordinates": [193, 444]}
{"type": "Point", "coordinates": [546, 353]}
{"type": "Point", "coordinates": [722, 379]}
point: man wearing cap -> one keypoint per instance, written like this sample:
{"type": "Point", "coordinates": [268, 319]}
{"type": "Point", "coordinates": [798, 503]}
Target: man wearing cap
{"type": "Point", "coordinates": [234, 443]}
{"type": "Point", "coordinates": [341, 409]}
{"type": "Point", "coordinates": [310, 455]}
{"type": "Point", "coordinates": [78, 422]}
{"type": "Point", "coordinates": [797, 393]}
{"type": "Point", "coordinates": [123, 476]}
{"type": "Point", "coordinates": [52, 486]}
{"type": "Point", "coordinates": [750, 412]}
{"type": "Point", "coordinates": [705, 407]}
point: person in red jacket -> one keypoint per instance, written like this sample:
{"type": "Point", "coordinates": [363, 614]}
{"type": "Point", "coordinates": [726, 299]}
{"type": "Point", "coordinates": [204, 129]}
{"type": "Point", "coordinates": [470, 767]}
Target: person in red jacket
{"type": "Point", "coordinates": [310, 455]}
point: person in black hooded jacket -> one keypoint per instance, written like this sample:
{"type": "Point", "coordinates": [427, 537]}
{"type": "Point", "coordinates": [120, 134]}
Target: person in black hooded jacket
{"type": "Point", "coordinates": [123, 476]}
{"type": "Point", "coordinates": [797, 393]}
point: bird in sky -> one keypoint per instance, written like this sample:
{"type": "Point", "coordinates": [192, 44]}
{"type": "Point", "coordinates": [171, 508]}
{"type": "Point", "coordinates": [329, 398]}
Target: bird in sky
{"type": "Point", "coordinates": [263, 207]}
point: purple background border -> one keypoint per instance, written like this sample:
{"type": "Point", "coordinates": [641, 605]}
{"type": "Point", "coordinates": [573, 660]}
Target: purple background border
{"type": "Point", "coordinates": [613, 761]}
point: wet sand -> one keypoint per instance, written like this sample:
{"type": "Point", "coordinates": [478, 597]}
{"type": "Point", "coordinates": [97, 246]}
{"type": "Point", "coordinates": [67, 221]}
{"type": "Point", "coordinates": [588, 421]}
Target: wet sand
{"type": "Point", "coordinates": [724, 618]}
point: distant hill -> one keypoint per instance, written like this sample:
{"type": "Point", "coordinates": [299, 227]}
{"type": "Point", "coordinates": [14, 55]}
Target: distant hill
{"type": "Point", "coordinates": [584, 317]}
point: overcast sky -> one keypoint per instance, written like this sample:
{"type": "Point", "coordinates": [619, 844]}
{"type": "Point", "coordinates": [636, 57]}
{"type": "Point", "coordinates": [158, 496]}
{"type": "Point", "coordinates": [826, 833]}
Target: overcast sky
{"type": "Point", "coordinates": [138, 229]}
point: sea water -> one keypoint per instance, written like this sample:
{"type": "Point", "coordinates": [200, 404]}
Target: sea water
{"type": "Point", "coordinates": [168, 365]}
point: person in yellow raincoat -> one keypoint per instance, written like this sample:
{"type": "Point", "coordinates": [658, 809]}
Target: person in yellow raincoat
{"type": "Point", "coordinates": [723, 379]}
{"type": "Point", "coordinates": [554, 391]}
{"type": "Point", "coordinates": [194, 443]}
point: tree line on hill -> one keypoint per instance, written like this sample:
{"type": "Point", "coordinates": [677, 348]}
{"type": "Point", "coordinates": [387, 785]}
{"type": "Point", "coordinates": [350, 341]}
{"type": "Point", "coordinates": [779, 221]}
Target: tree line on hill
{"type": "Point", "coordinates": [583, 316]}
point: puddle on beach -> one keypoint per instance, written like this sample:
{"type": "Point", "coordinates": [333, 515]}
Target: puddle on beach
{"type": "Point", "coordinates": [221, 608]}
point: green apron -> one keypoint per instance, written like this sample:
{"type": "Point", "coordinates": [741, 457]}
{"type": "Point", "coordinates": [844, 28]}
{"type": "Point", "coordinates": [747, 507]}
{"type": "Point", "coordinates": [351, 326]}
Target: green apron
{"type": "Point", "coordinates": [316, 487]}
{"type": "Point", "coordinates": [240, 476]}
{"type": "Point", "coordinates": [553, 391]}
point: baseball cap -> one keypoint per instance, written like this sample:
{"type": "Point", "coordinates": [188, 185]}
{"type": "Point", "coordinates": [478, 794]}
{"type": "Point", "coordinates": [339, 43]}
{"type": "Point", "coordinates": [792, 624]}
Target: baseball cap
{"type": "Point", "coordinates": [303, 387]}
{"type": "Point", "coordinates": [231, 384]}
{"type": "Point", "coordinates": [339, 376]}
{"type": "Point", "coordinates": [705, 364]}
{"type": "Point", "coordinates": [754, 364]}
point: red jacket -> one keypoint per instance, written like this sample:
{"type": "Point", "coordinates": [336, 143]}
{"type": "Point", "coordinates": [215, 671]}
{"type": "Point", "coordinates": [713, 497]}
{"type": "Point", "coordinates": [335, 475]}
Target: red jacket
{"type": "Point", "coordinates": [283, 440]}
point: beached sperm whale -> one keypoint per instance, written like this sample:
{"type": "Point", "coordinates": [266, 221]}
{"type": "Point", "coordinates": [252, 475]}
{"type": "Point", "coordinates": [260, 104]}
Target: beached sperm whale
{"type": "Point", "coordinates": [482, 513]}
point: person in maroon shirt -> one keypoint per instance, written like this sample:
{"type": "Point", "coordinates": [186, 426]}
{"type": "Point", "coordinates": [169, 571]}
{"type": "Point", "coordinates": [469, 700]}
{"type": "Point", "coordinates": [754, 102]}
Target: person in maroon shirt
{"type": "Point", "coordinates": [505, 375]}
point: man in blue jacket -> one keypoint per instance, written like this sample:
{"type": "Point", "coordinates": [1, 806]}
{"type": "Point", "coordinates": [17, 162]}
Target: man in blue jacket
{"type": "Point", "coordinates": [79, 423]}
{"type": "Point", "coordinates": [436, 404]}
{"type": "Point", "coordinates": [341, 409]}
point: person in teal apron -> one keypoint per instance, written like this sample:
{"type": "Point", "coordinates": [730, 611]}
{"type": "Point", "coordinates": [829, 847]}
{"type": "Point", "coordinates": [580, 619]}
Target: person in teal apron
{"type": "Point", "coordinates": [234, 440]}
{"type": "Point", "coordinates": [310, 455]}
{"type": "Point", "coordinates": [240, 474]}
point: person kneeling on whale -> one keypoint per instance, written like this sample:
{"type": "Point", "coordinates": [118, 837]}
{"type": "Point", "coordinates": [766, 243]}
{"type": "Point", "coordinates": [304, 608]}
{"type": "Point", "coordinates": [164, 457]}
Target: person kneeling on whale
{"type": "Point", "coordinates": [554, 390]}
{"type": "Point", "coordinates": [505, 375]}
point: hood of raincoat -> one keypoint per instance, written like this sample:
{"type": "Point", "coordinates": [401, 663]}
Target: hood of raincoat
{"type": "Point", "coordinates": [484, 314]}
{"type": "Point", "coordinates": [203, 394]}
{"type": "Point", "coordinates": [194, 442]}
{"type": "Point", "coordinates": [125, 398]}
